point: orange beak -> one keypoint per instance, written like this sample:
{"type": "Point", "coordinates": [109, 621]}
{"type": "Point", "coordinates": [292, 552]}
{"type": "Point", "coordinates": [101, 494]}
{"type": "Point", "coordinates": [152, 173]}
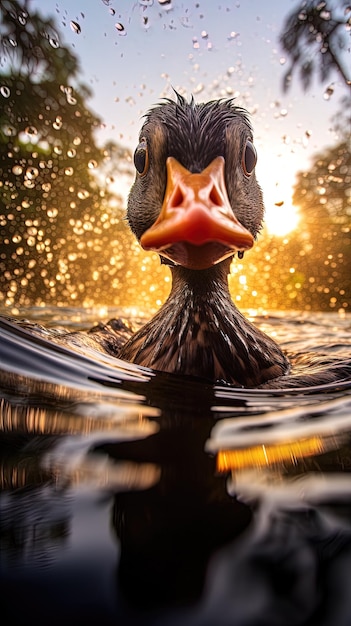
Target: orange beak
{"type": "Point", "coordinates": [196, 227]}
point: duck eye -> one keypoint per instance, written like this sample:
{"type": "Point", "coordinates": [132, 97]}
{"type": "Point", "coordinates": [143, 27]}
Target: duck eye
{"type": "Point", "coordinates": [141, 157]}
{"type": "Point", "coordinates": [249, 159]}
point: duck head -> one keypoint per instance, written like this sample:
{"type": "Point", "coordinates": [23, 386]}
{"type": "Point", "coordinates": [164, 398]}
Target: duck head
{"type": "Point", "coordinates": [196, 202]}
{"type": "Point", "coordinates": [195, 199]}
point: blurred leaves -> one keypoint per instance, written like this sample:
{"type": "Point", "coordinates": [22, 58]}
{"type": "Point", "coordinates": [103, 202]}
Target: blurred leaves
{"type": "Point", "coordinates": [309, 269]}
{"type": "Point", "coordinates": [315, 37]}
{"type": "Point", "coordinates": [63, 239]}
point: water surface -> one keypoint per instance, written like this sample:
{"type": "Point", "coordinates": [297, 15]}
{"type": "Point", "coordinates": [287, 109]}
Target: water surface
{"type": "Point", "coordinates": [135, 497]}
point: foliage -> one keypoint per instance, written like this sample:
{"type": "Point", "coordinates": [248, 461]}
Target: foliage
{"type": "Point", "coordinates": [314, 37]}
{"type": "Point", "coordinates": [60, 231]}
{"type": "Point", "coordinates": [323, 195]}
{"type": "Point", "coordinates": [310, 269]}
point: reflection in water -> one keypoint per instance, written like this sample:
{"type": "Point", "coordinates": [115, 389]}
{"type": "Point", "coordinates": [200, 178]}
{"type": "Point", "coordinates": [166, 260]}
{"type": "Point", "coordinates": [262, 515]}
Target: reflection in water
{"type": "Point", "coordinates": [268, 454]}
{"type": "Point", "coordinates": [115, 508]}
{"type": "Point", "coordinates": [282, 436]}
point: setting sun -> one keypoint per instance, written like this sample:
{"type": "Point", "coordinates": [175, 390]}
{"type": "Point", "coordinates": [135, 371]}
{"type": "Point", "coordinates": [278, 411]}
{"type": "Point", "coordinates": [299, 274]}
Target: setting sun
{"type": "Point", "coordinates": [281, 217]}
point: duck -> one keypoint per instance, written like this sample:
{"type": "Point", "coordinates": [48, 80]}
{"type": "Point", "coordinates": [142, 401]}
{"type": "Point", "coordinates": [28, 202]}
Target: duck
{"type": "Point", "coordinates": [197, 203]}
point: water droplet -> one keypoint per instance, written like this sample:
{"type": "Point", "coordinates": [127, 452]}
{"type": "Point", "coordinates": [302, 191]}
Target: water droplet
{"type": "Point", "coordinates": [77, 141]}
{"type": "Point", "coordinates": [120, 28]}
{"type": "Point", "coordinates": [83, 194]}
{"type": "Point", "coordinates": [283, 112]}
{"type": "Point", "coordinates": [31, 130]}
{"type": "Point", "coordinates": [165, 3]}
{"type": "Point", "coordinates": [70, 99]}
{"type": "Point", "coordinates": [29, 184]}
{"type": "Point", "coordinates": [22, 18]}
{"type": "Point", "coordinates": [199, 88]}
{"type": "Point", "coordinates": [92, 164]}
{"type": "Point", "coordinates": [282, 60]}
{"type": "Point", "coordinates": [52, 212]}
{"type": "Point", "coordinates": [32, 172]}
{"type": "Point", "coordinates": [328, 92]}
{"type": "Point", "coordinates": [57, 123]}
{"type": "Point", "coordinates": [302, 16]}
{"type": "Point", "coordinates": [325, 15]}
{"type": "Point", "coordinates": [54, 43]}
{"type": "Point", "coordinates": [204, 34]}
{"type": "Point", "coordinates": [69, 171]}
{"type": "Point", "coordinates": [71, 153]}
{"type": "Point", "coordinates": [112, 12]}
{"type": "Point", "coordinates": [75, 27]}
{"type": "Point", "coordinates": [5, 91]}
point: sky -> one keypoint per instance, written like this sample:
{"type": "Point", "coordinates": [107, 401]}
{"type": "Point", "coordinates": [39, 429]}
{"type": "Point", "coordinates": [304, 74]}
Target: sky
{"type": "Point", "coordinates": [132, 52]}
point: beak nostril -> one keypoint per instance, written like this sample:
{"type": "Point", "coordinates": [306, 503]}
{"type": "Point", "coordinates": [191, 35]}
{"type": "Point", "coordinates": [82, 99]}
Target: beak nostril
{"type": "Point", "coordinates": [177, 198]}
{"type": "Point", "coordinates": [215, 196]}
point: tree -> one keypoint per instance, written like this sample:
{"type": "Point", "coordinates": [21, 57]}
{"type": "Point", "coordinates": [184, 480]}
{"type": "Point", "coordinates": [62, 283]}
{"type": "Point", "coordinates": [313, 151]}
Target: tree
{"type": "Point", "coordinates": [62, 237]}
{"type": "Point", "coordinates": [315, 38]}
{"type": "Point", "coordinates": [323, 195]}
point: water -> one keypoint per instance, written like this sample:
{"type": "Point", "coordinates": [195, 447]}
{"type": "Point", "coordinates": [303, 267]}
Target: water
{"type": "Point", "coordinates": [130, 497]}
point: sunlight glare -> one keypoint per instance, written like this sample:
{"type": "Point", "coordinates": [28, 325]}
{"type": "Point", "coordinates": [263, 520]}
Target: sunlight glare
{"type": "Point", "coordinates": [281, 217]}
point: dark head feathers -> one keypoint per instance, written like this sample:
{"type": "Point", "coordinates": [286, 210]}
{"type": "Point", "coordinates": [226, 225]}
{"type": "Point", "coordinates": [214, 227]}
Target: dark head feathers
{"type": "Point", "coordinates": [196, 130]}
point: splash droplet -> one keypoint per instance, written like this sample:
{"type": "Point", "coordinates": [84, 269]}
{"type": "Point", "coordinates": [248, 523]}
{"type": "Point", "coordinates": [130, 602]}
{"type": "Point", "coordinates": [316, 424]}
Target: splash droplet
{"type": "Point", "coordinates": [54, 43]}
{"type": "Point", "coordinates": [29, 184]}
{"type": "Point", "coordinates": [75, 27]}
{"type": "Point", "coordinates": [57, 123]}
{"type": "Point", "coordinates": [32, 172]}
{"type": "Point", "coordinates": [10, 131]}
{"type": "Point", "coordinates": [22, 18]}
{"type": "Point", "coordinates": [70, 99]}
{"type": "Point", "coordinates": [325, 15]}
{"type": "Point", "coordinates": [120, 28]}
{"type": "Point", "coordinates": [83, 194]}
{"type": "Point", "coordinates": [5, 91]}
{"type": "Point", "coordinates": [31, 130]}
{"type": "Point", "coordinates": [328, 92]}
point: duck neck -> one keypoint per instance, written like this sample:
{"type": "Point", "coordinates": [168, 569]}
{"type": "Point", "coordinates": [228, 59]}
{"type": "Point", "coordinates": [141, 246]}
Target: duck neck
{"type": "Point", "coordinates": [199, 331]}
{"type": "Point", "coordinates": [200, 286]}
